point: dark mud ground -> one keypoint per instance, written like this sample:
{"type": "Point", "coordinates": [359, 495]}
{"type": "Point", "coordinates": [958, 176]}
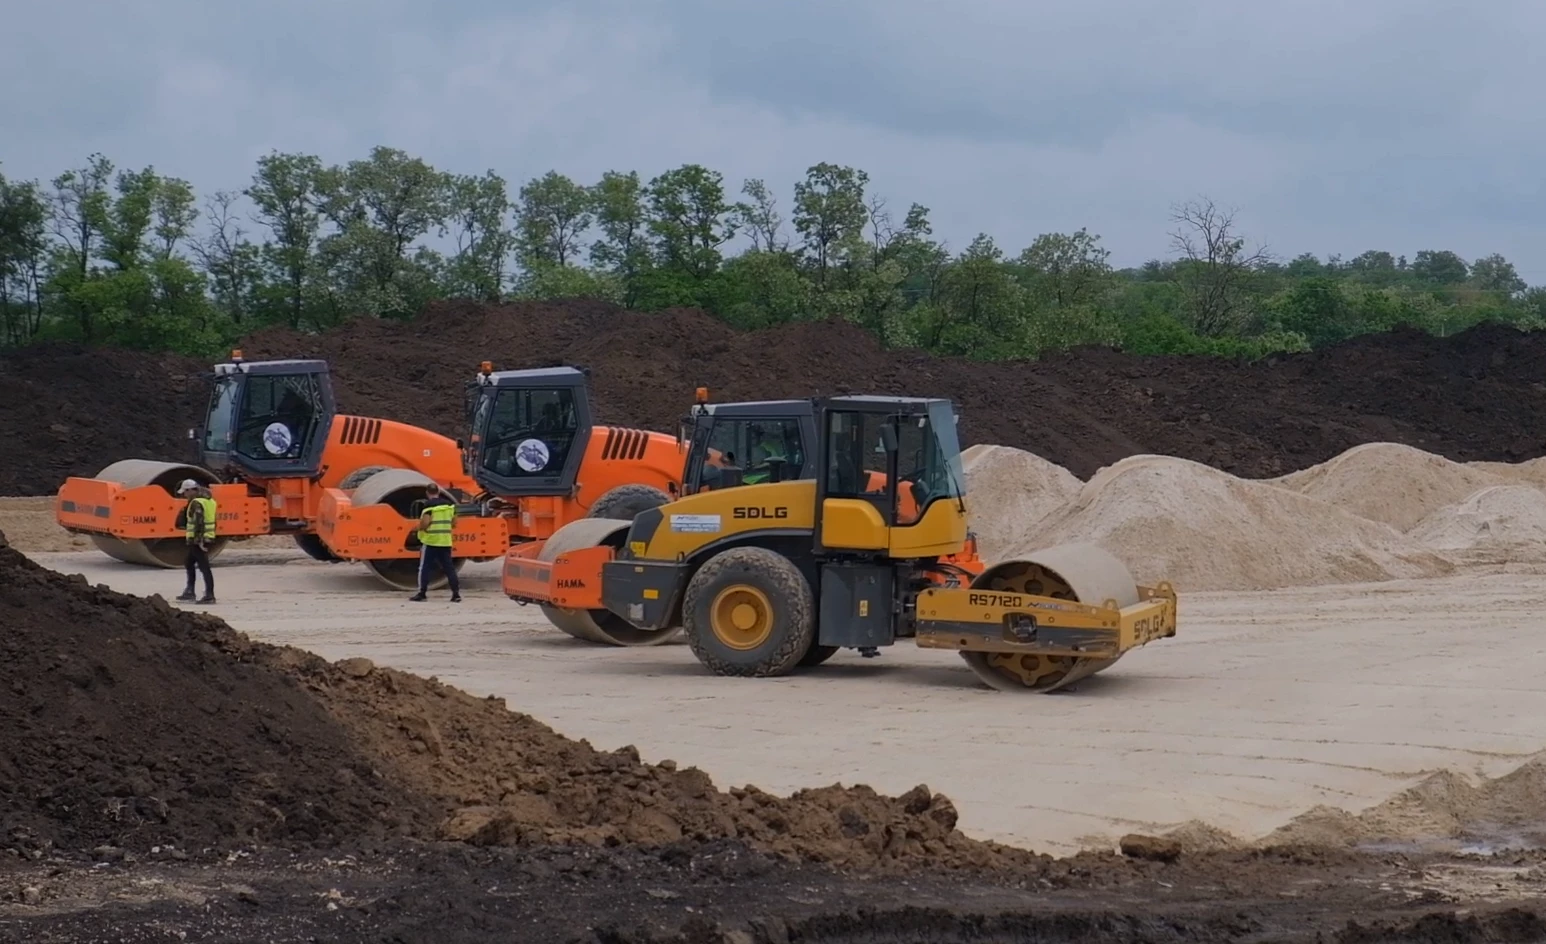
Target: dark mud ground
{"type": "Point", "coordinates": [452, 894]}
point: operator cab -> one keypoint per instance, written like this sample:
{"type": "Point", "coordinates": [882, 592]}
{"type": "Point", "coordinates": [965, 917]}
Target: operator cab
{"type": "Point", "coordinates": [529, 429]}
{"type": "Point", "coordinates": [749, 443]}
{"type": "Point", "coordinates": [269, 419]}
{"type": "Point", "coordinates": [898, 455]}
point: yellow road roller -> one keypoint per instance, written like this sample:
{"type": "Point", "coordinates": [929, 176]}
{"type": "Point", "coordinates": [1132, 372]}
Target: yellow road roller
{"type": "Point", "coordinates": [854, 536]}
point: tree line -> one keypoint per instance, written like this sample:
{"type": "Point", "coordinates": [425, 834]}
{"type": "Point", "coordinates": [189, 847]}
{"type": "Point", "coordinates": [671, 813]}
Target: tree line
{"type": "Point", "coordinates": [134, 258]}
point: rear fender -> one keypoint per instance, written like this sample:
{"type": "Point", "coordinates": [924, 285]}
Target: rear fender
{"type": "Point", "coordinates": [149, 512]}
{"type": "Point", "coordinates": [571, 581]}
{"type": "Point", "coordinates": [377, 531]}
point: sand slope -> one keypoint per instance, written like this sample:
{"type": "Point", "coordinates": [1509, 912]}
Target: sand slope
{"type": "Point", "coordinates": [1498, 523]}
{"type": "Point", "coordinates": [1203, 529]}
{"type": "Point", "coordinates": [1010, 490]}
{"type": "Point", "coordinates": [1388, 482]}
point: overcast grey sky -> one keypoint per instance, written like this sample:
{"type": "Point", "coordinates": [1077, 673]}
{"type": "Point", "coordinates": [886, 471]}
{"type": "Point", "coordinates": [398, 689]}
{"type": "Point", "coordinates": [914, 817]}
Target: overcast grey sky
{"type": "Point", "coordinates": [1332, 125]}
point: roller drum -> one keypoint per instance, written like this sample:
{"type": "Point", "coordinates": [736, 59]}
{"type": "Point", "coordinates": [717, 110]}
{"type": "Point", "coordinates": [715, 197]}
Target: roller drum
{"type": "Point", "coordinates": [399, 488]}
{"type": "Point", "coordinates": [156, 552]}
{"type": "Point", "coordinates": [598, 626]}
{"type": "Point", "coordinates": [1079, 573]}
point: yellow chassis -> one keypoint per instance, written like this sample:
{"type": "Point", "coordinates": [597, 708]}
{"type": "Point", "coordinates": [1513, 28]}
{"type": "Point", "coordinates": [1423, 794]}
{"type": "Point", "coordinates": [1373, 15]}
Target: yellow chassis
{"type": "Point", "coordinates": [994, 621]}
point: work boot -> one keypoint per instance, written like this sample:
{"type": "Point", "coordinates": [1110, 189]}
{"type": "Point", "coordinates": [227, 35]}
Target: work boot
{"type": "Point", "coordinates": [186, 596]}
{"type": "Point", "coordinates": [207, 598]}
{"type": "Point", "coordinates": [456, 598]}
{"type": "Point", "coordinates": [418, 597]}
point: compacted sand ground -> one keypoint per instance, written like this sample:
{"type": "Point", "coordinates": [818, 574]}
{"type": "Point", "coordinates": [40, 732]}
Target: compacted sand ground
{"type": "Point", "coordinates": [1267, 704]}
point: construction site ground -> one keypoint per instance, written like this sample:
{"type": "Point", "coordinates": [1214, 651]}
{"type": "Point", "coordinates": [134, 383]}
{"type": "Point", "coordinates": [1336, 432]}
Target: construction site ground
{"type": "Point", "coordinates": [1269, 705]}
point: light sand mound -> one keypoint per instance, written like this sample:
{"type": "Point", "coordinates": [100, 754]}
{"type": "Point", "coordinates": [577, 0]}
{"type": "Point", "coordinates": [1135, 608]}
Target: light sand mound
{"type": "Point", "coordinates": [1502, 521]}
{"type": "Point", "coordinates": [1388, 482]}
{"type": "Point", "coordinates": [1202, 529]}
{"type": "Point", "coordinates": [1443, 806]}
{"type": "Point", "coordinates": [29, 524]}
{"type": "Point", "coordinates": [1532, 472]}
{"type": "Point", "coordinates": [1010, 490]}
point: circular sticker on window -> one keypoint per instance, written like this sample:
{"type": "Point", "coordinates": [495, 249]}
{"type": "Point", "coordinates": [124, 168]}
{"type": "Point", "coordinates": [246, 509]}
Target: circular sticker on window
{"type": "Point", "coordinates": [277, 439]}
{"type": "Point", "coordinates": [532, 455]}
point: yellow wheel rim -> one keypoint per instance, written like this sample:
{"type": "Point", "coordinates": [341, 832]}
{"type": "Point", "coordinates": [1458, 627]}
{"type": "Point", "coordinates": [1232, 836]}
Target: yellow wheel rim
{"type": "Point", "coordinates": [742, 617]}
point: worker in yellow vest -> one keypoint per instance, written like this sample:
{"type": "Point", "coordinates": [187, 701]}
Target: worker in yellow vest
{"type": "Point", "coordinates": [199, 533]}
{"type": "Point", "coordinates": [436, 524]}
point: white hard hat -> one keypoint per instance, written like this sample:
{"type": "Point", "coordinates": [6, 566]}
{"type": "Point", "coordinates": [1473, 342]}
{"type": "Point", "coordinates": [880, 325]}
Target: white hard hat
{"type": "Point", "coordinates": [188, 485]}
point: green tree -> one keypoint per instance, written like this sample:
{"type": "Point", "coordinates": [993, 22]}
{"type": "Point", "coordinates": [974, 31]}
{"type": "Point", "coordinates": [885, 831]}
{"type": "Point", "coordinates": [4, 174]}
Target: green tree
{"type": "Point", "coordinates": [552, 216]}
{"type": "Point", "coordinates": [1215, 271]}
{"type": "Point", "coordinates": [830, 215]}
{"type": "Point", "coordinates": [24, 218]}
{"type": "Point", "coordinates": [285, 190]}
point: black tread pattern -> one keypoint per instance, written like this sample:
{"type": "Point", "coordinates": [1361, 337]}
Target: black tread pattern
{"type": "Point", "coordinates": [794, 623]}
{"type": "Point", "coordinates": [625, 502]}
{"type": "Point", "coordinates": [353, 479]}
{"type": "Point", "coordinates": [314, 548]}
{"type": "Point", "coordinates": [816, 655]}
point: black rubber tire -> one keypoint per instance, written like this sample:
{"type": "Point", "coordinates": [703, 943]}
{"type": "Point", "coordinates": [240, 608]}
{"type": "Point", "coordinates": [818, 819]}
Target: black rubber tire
{"type": "Point", "coordinates": [816, 655]}
{"type": "Point", "coordinates": [788, 593]}
{"type": "Point", "coordinates": [352, 481]}
{"type": "Point", "coordinates": [315, 549]}
{"type": "Point", "coordinates": [626, 501]}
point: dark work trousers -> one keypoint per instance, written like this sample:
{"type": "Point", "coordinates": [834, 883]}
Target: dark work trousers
{"type": "Point", "coordinates": [199, 557]}
{"type": "Point", "coordinates": [431, 557]}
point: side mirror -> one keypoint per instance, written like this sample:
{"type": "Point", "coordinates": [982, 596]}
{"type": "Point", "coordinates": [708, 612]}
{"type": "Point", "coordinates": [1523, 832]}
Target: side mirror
{"type": "Point", "coordinates": [888, 437]}
{"type": "Point", "coordinates": [672, 489]}
{"type": "Point", "coordinates": [461, 443]}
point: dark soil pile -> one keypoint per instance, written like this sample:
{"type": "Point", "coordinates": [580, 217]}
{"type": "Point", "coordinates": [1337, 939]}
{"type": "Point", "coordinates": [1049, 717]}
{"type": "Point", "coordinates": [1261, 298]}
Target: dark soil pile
{"type": "Point", "coordinates": [1476, 396]}
{"type": "Point", "coordinates": [68, 410]}
{"type": "Point", "coordinates": [505, 778]}
{"type": "Point", "coordinates": [130, 723]}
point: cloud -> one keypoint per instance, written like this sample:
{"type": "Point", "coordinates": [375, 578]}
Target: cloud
{"type": "Point", "coordinates": [1333, 127]}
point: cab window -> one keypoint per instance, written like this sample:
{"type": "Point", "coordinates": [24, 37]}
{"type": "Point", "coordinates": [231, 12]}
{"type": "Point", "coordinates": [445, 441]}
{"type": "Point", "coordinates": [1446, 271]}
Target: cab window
{"type": "Point", "coordinates": [750, 452]}
{"type": "Point", "coordinates": [858, 465]}
{"type": "Point", "coordinates": [529, 432]}
{"type": "Point", "coordinates": [856, 455]}
{"type": "Point", "coordinates": [278, 415]}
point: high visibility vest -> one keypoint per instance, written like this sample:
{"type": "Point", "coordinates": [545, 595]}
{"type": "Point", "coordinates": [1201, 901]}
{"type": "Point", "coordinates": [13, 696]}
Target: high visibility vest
{"type": "Point", "coordinates": [208, 504]}
{"type": "Point", "coordinates": [441, 521]}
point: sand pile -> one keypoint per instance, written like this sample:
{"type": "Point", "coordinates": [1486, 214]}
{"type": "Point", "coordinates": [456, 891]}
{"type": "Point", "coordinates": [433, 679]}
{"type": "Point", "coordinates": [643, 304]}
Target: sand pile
{"type": "Point", "coordinates": [1532, 472]}
{"type": "Point", "coordinates": [1389, 482]}
{"type": "Point", "coordinates": [1203, 529]}
{"type": "Point", "coordinates": [1501, 522]}
{"type": "Point", "coordinates": [1010, 490]}
{"type": "Point", "coordinates": [29, 524]}
{"type": "Point", "coordinates": [130, 723]}
{"type": "Point", "coordinates": [1509, 810]}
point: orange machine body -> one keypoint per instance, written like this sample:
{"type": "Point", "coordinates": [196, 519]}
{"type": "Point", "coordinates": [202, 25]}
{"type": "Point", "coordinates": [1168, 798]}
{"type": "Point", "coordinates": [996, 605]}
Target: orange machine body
{"type": "Point", "coordinates": [261, 506]}
{"type": "Point", "coordinates": [613, 456]}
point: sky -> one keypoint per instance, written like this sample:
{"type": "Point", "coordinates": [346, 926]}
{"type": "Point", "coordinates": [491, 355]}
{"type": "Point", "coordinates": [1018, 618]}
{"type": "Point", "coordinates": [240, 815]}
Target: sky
{"type": "Point", "coordinates": [1328, 126]}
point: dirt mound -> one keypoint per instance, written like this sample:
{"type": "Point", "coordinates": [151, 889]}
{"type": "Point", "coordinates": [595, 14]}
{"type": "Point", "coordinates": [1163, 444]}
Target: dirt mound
{"type": "Point", "coordinates": [128, 722]}
{"type": "Point", "coordinates": [505, 778]}
{"type": "Point", "coordinates": [69, 410]}
{"type": "Point", "coordinates": [1202, 529]}
{"type": "Point", "coordinates": [1507, 811]}
{"type": "Point", "coordinates": [1398, 485]}
{"type": "Point", "coordinates": [1504, 522]}
{"type": "Point", "coordinates": [1472, 396]}
{"type": "Point", "coordinates": [1011, 490]}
